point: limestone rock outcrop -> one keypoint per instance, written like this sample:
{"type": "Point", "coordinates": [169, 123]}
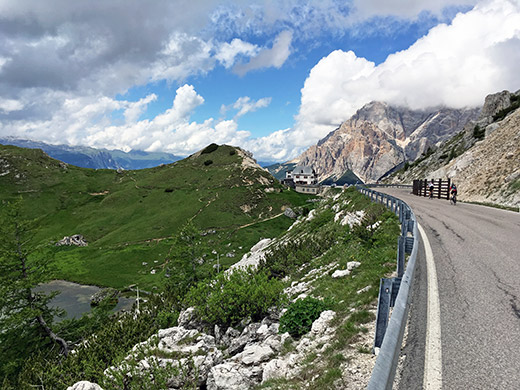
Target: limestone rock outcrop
{"type": "Point", "coordinates": [76, 239]}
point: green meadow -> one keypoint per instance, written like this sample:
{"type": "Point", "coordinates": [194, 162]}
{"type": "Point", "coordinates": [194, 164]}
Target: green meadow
{"type": "Point", "coordinates": [129, 218]}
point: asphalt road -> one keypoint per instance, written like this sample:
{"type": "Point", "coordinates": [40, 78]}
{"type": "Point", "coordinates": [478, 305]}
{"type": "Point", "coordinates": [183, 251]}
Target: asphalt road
{"type": "Point", "coordinates": [476, 251]}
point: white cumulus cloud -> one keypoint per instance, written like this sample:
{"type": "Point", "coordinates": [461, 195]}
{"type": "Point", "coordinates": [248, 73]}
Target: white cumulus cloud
{"type": "Point", "coordinates": [454, 65]}
{"type": "Point", "coordinates": [404, 8]}
{"type": "Point", "coordinates": [227, 52]}
{"type": "Point", "coordinates": [245, 104]}
{"type": "Point", "coordinates": [8, 105]}
{"type": "Point", "coordinates": [273, 57]}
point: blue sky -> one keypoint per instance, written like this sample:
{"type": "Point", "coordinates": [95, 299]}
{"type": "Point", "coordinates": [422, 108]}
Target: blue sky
{"type": "Point", "coordinates": [272, 77]}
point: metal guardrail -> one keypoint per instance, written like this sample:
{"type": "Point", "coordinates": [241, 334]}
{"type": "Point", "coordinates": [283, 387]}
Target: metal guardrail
{"type": "Point", "coordinates": [390, 333]}
{"type": "Point", "coordinates": [389, 185]}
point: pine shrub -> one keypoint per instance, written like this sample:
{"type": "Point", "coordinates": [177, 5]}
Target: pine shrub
{"type": "Point", "coordinates": [209, 149]}
{"type": "Point", "coordinates": [300, 315]}
{"type": "Point", "coordinates": [232, 297]}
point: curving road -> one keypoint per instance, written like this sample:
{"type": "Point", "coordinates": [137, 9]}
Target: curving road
{"type": "Point", "coordinates": [476, 254]}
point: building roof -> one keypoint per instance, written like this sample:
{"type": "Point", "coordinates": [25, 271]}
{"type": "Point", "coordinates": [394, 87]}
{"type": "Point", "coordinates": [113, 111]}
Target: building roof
{"type": "Point", "coordinates": [299, 169]}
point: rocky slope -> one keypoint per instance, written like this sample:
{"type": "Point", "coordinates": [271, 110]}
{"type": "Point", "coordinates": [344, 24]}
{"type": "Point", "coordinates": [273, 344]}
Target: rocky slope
{"type": "Point", "coordinates": [195, 354]}
{"type": "Point", "coordinates": [490, 171]}
{"type": "Point", "coordinates": [483, 160]}
{"type": "Point", "coordinates": [380, 137]}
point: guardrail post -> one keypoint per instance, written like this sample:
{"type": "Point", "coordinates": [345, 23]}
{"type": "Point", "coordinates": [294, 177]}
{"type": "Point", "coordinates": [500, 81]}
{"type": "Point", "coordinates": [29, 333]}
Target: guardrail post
{"type": "Point", "coordinates": [410, 225]}
{"type": "Point", "coordinates": [408, 244]}
{"type": "Point", "coordinates": [404, 226]}
{"type": "Point", "coordinates": [383, 310]}
{"type": "Point", "coordinates": [400, 256]}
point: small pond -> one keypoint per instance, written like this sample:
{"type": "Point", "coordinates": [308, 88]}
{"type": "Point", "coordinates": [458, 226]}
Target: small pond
{"type": "Point", "coordinates": [75, 298]}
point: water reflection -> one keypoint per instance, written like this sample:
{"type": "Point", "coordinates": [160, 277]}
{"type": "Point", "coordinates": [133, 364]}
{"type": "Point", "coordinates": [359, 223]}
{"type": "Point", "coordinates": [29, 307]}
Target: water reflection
{"type": "Point", "coordinates": [75, 298]}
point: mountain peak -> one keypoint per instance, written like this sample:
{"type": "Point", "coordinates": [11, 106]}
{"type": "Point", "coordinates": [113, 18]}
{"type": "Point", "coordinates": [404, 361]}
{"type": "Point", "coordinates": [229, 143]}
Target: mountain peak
{"type": "Point", "coordinates": [379, 137]}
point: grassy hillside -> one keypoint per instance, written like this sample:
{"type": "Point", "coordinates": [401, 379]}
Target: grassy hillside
{"type": "Point", "coordinates": [129, 217]}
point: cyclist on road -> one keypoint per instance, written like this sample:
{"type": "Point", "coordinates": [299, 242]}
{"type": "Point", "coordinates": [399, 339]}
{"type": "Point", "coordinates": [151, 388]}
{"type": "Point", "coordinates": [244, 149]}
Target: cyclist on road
{"type": "Point", "coordinates": [453, 192]}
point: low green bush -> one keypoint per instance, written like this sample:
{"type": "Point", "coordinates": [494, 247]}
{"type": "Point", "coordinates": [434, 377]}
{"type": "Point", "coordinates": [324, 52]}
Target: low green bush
{"type": "Point", "coordinates": [479, 132]}
{"type": "Point", "coordinates": [209, 149]}
{"type": "Point", "coordinates": [208, 162]}
{"type": "Point", "coordinates": [232, 297]}
{"type": "Point", "coordinates": [300, 315]}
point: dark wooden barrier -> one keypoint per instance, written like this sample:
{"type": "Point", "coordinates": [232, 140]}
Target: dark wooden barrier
{"type": "Point", "coordinates": [441, 190]}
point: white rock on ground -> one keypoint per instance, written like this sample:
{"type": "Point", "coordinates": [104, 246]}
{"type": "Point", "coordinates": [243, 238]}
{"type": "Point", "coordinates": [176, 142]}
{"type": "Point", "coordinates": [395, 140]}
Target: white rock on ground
{"type": "Point", "coordinates": [197, 352]}
{"type": "Point", "coordinates": [85, 385]}
{"type": "Point", "coordinates": [233, 376]}
{"type": "Point", "coordinates": [254, 256]}
{"type": "Point", "coordinates": [353, 264]}
{"type": "Point", "coordinates": [254, 355]}
{"type": "Point", "coordinates": [340, 273]}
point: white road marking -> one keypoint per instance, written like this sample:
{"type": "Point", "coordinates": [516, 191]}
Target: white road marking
{"type": "Point", "coordinates": [433, 348]}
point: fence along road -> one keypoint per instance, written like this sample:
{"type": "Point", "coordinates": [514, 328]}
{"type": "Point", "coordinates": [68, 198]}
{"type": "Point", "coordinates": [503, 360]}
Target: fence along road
{"type": "Point", "coordinates": [476, 251]}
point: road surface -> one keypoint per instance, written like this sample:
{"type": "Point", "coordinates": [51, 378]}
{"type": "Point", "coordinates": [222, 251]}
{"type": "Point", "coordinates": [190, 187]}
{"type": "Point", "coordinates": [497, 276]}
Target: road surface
{"type": "Point", "coordinates": [476, 255]}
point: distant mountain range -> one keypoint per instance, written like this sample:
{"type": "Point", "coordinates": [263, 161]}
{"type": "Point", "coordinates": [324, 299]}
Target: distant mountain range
{"type": "Point", "coordinates": [86, 157]}
{"type": "Point", "coordinates": [378, 139]}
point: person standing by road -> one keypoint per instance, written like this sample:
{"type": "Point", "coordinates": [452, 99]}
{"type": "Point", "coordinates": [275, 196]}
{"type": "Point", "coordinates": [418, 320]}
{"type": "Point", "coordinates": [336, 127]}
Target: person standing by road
{"type": "Point", "coordinates": [431, 187]}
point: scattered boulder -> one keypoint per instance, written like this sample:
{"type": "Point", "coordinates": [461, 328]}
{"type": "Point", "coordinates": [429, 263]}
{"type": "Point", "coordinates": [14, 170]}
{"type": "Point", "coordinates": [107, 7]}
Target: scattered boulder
{"type": "Point", "coordinates": [233, 376]}
{"type": "Point", "coordinates": [353, 264]}
{"type": "Point", "coordinates": [187, 318]}
{"type": "Point", "coordinates": [85, 385]}
{"type": "Point", "coordinates": [254, 355]}
{"type": "Point", "coordinates": [290, 213]}
{"type": "Point", "coordinates": [275, 369]}
{"type": "Point", "coordinates": [340, 273]}
{"type": "Point", "coordinates": [76, 239]}
{"type": "Point", "coordinates": [321, 325]}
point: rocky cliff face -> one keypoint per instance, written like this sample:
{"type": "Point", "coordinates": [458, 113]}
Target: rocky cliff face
{"type": "Point", "coordinates": [484, 159]}
{"type": "Point", "coordinates": [490, 170]}
{"type": "Point", "coordinates": [379, 137]}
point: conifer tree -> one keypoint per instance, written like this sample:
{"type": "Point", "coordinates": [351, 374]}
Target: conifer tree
{"type": "Point", "coordinates": [186, 255]}
{"type": "Point", "coordinates": [22, 268]}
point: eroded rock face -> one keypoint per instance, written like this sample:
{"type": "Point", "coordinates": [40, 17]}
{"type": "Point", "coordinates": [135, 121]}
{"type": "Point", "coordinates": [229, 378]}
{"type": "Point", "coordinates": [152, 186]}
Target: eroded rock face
{"type": "Point", "coordinates": [493, 104]}
{"type": "Point", "coordinates": [187, 355]}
